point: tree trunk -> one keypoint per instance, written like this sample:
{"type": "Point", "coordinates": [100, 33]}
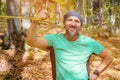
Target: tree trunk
{"type": "Point", "coordinates": [96, 12]}
{"type": "Point", "coordinates": [14, 31]}
{"type": "Point", "coordinates": [0, 6]}
{"type": "Point", "coordinates": [78, 5]}
{"type": "Point", "coordinates": [14, 28]}
{"type": "Point", "coordinates": [57, 12]}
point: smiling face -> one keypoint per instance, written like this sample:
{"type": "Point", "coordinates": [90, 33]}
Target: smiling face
{"type": "Point", "coordinates": [72, 25]}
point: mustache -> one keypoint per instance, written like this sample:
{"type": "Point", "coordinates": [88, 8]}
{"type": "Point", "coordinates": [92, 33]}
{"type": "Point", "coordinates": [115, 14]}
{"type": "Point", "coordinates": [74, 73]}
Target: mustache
{"type": "Point", "coordinates": [72, 26]}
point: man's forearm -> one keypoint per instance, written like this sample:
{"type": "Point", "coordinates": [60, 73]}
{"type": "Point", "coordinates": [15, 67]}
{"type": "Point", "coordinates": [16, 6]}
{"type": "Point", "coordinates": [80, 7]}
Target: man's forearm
{"type": "Point", "coordinates": [106, 60]}
{"type": "Point", "coordinates": [32, 32]}
{"type": "Point", "coordinates": [105, 63]}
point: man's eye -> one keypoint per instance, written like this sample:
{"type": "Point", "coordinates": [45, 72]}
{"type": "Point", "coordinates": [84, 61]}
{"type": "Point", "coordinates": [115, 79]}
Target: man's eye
{"type": "Point", "coordinates": [77, 21]}
{"type": "Point", "coordinates": [69, 19]}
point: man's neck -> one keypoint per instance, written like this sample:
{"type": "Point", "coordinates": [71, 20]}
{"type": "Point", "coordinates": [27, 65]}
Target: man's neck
{"type": "Point", "coordinates": [72, 38]}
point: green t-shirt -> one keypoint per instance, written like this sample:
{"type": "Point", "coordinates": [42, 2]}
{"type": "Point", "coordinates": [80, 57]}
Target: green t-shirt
{"type": "Point", "coordinates": [71, 56]}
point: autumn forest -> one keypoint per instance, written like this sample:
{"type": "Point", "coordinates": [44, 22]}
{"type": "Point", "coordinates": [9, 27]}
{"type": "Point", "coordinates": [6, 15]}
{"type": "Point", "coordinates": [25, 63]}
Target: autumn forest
{"type": "Point", "coordinates": [19, 61]}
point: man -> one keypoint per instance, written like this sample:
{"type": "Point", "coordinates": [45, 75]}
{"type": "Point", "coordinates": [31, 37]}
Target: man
{"type": "Point", "coordinates": [72, 49]}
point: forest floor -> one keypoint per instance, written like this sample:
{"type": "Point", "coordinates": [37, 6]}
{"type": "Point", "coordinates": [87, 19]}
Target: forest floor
{"type": "Point", "coordinates": [38, 65]}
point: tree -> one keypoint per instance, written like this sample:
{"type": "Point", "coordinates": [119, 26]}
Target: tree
{"type": "Point", "coordinates": [58, 12]}
{"type": "Point", "coordinates": [0, 6]}
{"type": "Point", "coordinates": [78, 5]}
{"type": "Point", "coordinates": [14, 28]}
{"type": "Point", "coordinates": [15, 33]}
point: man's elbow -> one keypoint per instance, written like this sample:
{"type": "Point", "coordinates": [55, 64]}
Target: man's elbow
{"type": "Point", "coordinates": [108, 55]}
{"type": "Point", "coordinates": [30, 42]}
{"type": "Point", "coordinates": [109, 58]}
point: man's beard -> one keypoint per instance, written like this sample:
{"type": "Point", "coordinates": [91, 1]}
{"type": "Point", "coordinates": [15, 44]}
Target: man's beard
{"type": "Point", "coordinates": [72, 33]}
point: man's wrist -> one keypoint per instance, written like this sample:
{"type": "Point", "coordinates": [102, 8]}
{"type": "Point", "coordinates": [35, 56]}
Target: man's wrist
{"type": "Point", "coordinates": [96, 72]}
{"type": "Point", "coordinates": [35, 21]}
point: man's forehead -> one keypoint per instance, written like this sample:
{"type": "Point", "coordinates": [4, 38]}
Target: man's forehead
{"type": "Point", "coordinates": [73, 17]}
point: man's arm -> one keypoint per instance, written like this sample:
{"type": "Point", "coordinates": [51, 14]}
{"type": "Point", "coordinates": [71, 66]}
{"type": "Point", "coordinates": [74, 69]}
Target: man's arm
{"type": "Point", "coordinates": [106, 60]}
{"type": "Point", "coordinates": [32, 38]}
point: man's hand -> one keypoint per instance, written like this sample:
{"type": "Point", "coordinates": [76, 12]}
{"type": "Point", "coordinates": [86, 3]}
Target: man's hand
{"type": "Point", "coordinates": [43, 14]}
{"type": "Point", "coordinates": [92, 76]}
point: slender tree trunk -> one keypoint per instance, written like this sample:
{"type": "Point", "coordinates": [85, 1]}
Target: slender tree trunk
{"type": "Point", "coordinates": [78, 5]}
{"type": "Point", "coordinates": [0, 6]}
{"type": "Point", "coordinates": [57, 12]}
{"type": "Point", "coordinates": [85, 11]}
{"type": "Point", "coordinates": [96, 11]}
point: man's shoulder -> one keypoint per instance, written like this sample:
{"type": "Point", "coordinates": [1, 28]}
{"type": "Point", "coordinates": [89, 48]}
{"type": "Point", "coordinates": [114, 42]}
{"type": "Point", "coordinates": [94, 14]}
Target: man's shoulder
{"type": "Point", "coordinates": [85, 37]}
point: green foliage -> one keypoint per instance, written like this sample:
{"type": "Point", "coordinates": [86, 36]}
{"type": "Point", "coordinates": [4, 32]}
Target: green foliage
{"type": "Point", "coordinates": [3, 8]}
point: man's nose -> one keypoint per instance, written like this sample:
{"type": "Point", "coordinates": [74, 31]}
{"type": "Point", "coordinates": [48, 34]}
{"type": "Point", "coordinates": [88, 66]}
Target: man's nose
{"type": "Point", "coordinates": [73, 23]}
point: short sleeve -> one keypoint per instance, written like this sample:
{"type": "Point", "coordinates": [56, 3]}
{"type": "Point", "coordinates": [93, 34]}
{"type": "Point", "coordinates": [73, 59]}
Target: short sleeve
{"type": "Point", "coordinates": [50, 38]}
{"type": "Point", "coordinates": [97, 47]}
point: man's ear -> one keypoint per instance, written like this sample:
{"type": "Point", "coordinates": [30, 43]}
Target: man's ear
{"type": "Point", "coordinates": [1, 41]}
{"type": "Point", "coordinates": [63, 24]}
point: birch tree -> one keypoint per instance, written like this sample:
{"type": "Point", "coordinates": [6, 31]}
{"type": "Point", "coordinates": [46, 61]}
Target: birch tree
{"type": "Point", "coordinates": [0, 6]}
{"type": "Point", "coordinates": [14, 31]}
